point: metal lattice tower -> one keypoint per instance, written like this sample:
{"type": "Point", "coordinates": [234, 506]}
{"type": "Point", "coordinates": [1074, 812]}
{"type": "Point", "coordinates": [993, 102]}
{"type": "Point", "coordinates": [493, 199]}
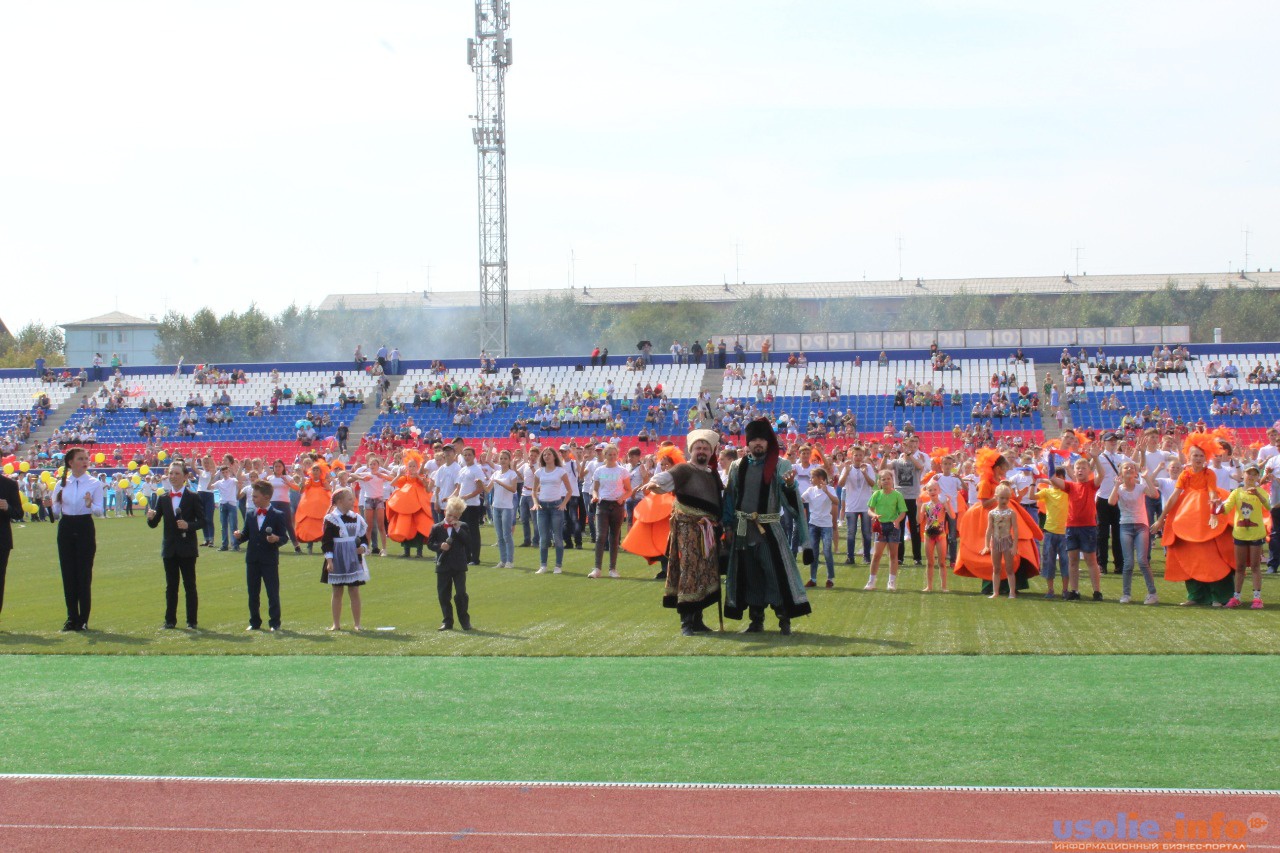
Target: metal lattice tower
{"type": "Point", "coordinates": [489, 54]}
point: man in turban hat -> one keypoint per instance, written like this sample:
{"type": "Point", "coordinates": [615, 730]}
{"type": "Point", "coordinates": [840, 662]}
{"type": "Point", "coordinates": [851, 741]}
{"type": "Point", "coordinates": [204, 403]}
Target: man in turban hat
{"type": "Point", "coordinates": [693, 550]}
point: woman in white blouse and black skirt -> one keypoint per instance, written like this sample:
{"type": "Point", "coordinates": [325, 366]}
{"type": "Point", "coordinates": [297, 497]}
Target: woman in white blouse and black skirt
{"type": "Point", "coordinates": [77, 498]}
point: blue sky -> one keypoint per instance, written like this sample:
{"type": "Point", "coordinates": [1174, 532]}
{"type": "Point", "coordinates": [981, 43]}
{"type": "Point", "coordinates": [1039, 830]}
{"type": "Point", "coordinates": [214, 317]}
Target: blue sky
{"type": "Point", "coordinates": [173, 155]}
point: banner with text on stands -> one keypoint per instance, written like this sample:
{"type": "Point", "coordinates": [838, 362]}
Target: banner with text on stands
{"type": "Point", "coordinates": [953, 339]}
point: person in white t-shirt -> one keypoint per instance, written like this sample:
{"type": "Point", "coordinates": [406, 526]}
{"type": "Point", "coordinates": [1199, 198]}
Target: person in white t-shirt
{"type": "Point", "coordinates": [445, 477]}
{"type": "Point", "coordinates": [470, 486]}
{"type": "Point", "coordinates": [504, 484]}
{"type": "Point", "coordinates": [610, 488]}
{"type": "Point", "coordinates": [857, 482]}
{"type": "Point", "coordinates": [821, 503]}
{"type": "Point", "coordinates": [1108, 464]}
{"type": "Point", "coordinates": [374, 481]}
{"type": "Point", "coordinates": [550, 497]}
{"type": "Point", "coordinates": [588, 476]}
{"type": "Point", "coordinates": [528, 519]}
{"type": "Point", "coordinates": [1269, 462]}
{"type": "Point", "coordinates": [227, 488]}
{"type": "Point", "coordinates": [949, 485]}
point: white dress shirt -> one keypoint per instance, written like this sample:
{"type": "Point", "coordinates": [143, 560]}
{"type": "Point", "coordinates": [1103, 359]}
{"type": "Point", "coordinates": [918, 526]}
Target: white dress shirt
{"type": "Point", "coordinates": [68, 498]}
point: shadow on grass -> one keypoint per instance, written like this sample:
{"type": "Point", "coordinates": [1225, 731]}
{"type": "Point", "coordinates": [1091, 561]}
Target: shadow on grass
{"type": "Point", "coordinates": [494, 635]}
{"type": "Point", "coordinates": [298, 635]}
{"type": "Point", "coordinates": [93, 637]}
{"type": "Point", "coordinates": [205, 634]}
{"type": "Point", "coordinates": [806, 638]}
{"type": "Point", "coordinates": [25, 639]}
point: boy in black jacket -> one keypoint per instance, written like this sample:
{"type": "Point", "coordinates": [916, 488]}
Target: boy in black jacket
{"type": "Point", "coordinates": [262, 558]}
{"type": "Point", "coordinates": [448, 540]}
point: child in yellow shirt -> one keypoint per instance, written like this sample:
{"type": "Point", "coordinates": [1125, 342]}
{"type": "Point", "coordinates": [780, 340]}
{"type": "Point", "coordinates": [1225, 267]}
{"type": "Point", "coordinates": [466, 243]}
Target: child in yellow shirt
{"type": "Point", "coordinates": [1053, 550]}
{"type": "Point", "coordinates": [1249, 503]}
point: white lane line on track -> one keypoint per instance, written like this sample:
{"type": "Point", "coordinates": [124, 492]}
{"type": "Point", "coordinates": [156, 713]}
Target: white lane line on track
{"type": "Point", "coordinates": [594, 836]}
{"type": "Point", "coordinates": [681, 786]}
{"type": "Point", "coordinates": [432, 833]}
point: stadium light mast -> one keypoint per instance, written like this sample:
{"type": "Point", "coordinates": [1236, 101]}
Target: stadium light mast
{"type": "Point", "coordinates": [489, 55]}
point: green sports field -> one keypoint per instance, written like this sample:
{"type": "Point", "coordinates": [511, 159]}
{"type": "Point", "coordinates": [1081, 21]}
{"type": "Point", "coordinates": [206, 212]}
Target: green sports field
{"type": "Point", "coordinates": [519, 613]}
{"type": "Point", "coordinates": [568, 678]}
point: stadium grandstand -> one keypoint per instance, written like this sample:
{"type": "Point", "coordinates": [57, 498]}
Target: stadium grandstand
{"type": "Point", "coordinates": [949, 399]}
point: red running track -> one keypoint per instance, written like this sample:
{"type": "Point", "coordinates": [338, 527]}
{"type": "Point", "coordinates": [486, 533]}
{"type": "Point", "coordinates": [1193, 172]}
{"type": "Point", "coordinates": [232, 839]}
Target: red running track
{"type": "Point", "coordinates": [138, 814]}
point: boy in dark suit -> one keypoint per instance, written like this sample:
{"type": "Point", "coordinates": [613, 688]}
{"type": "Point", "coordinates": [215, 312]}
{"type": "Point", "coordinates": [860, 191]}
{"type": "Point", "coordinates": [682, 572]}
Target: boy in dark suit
{"type": "Point", "coordinates": [262, 556]}
{"type": "Point", "coordinates": [10, 511]}
{"type": "Point", "coordinates": [183, 515]}
{"type": "Point", "coordinates": [448, 540]}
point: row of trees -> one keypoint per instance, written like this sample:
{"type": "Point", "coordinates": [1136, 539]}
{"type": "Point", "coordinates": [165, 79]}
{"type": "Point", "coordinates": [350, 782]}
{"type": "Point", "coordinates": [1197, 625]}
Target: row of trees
{"type": "Point", "coordinates": [568, 324]}
{"type": "Point", "coordinates": [34, 340]}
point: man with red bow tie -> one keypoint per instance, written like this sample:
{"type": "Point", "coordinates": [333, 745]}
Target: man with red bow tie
{"type": "Point", "coordinates": [262, 533]}
{"type": "Point", "coordinates": [183, 515]}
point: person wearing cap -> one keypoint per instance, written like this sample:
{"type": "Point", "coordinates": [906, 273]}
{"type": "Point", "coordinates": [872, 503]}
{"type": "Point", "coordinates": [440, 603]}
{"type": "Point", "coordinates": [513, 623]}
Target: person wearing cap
{"type": "Point", "coordinates": [572, 512]}
{"type": "Point", "coordinates": [762, 570]}
{"type": "Point", "coordinates": [693, 549]}
{"type": "Point", "coordinates": [1109, 461]}
{"type": "Point", "coordinates": [1248, 510]}
{"type": "Point", "coordinates": [588, 485]}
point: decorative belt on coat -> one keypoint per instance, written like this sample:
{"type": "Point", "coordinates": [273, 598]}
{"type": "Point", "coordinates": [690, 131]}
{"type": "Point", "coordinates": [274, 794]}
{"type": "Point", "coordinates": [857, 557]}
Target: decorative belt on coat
{"type": "Point", "coordinates": [706, 526]}
{"type": "Point", "coordinates": [760, 519]}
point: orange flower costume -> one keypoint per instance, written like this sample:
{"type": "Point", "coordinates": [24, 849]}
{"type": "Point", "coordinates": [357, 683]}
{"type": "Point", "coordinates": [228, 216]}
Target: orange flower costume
{"type": "Point", "coordinates": [970, 562]}
{"type": "Point", "coordinates": [651, 525]}
{"type": "Point", "coordinates": [1201, 556]}
{"type": "Point", "coordinates": [409, 507]}
{"type": "Point", "coordinates": [313, 506]}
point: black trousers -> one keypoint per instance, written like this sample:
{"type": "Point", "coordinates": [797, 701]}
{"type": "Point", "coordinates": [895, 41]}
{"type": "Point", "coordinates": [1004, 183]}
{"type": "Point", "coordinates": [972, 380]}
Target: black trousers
{"type": "Point", "coordinates": [77, 545]}
{"type": "Point", "coordinates": [4, 567]}
{"type": "Point", "coordinates": [1273, 558]}
{"type": "Point", "coordinates": [572, 525]}
{"type": "Point", "coordinates": [609, 515]}
{"type": "Point", "coordinates": [455, 583]}
{"type": "Point", "coordinates": [913, 521]}
{"type": "Point", "coordinates": [257, 576]}
{"type": "Point", "coordinates": [175, 568]}
{"type": "Point", "coordinates": [473, 515]}
{"type": "Point", "coordinates": [1108, 534]}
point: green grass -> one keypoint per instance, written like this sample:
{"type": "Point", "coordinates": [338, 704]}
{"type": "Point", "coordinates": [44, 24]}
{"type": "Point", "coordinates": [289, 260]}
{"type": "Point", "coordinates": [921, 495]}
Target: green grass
{"type": "Point", "coordinates": [518, 613]}
{"type": "Point", "coordinates": [1174, 721]}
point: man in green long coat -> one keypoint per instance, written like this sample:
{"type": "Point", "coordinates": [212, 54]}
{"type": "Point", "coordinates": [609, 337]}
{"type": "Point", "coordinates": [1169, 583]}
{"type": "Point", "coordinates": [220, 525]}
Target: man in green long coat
{"type": "Point", "coordinates": [762, 568]}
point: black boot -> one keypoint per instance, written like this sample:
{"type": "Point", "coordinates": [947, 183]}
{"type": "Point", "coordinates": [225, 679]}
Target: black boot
{"type": "Point", "coordinates": [784, 622]}
{"type": "Point", "coordinates": [697, 624]}
{"type": "Point", "coordinates": [686, 624]}
{"type": "Point", "coordinates": [756, 625]}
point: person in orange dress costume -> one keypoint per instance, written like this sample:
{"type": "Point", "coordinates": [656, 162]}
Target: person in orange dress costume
{"type": "Point", "coordinates": [313, 506]}
{"type": "Point", "coordinates": [651, 527]}
{"type": "Point", "coordinates": [1200, 549]}
{"type": "Point", "coordinates": [409, 519]}
{"type": "Point", "coordinates": [991, 468]}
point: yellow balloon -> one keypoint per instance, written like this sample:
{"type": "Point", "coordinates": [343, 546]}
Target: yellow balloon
{"type": "Point", "coordinates": [46, 478]}
{"type": "Point", "coordinates": [30, 509]}
{"type": "Point", "coordinates": [99, 458]}
{"type": "Point", "coordinates": [142, 500]}
{"type": "Point", "coordinates": [8, 469]}
{"type": "Point", "coordinates": [24, 467]}
{"type": "Point", "coordinates": [144, 470]}
{"type": "Point", "coordinates": [135, 479]}
{"type": "Point", "coordinates": [123, 484]}
{"type": "Point", "coordinates": [133, 466]}
{"type": "Point", "coordinates": [162, 455]}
